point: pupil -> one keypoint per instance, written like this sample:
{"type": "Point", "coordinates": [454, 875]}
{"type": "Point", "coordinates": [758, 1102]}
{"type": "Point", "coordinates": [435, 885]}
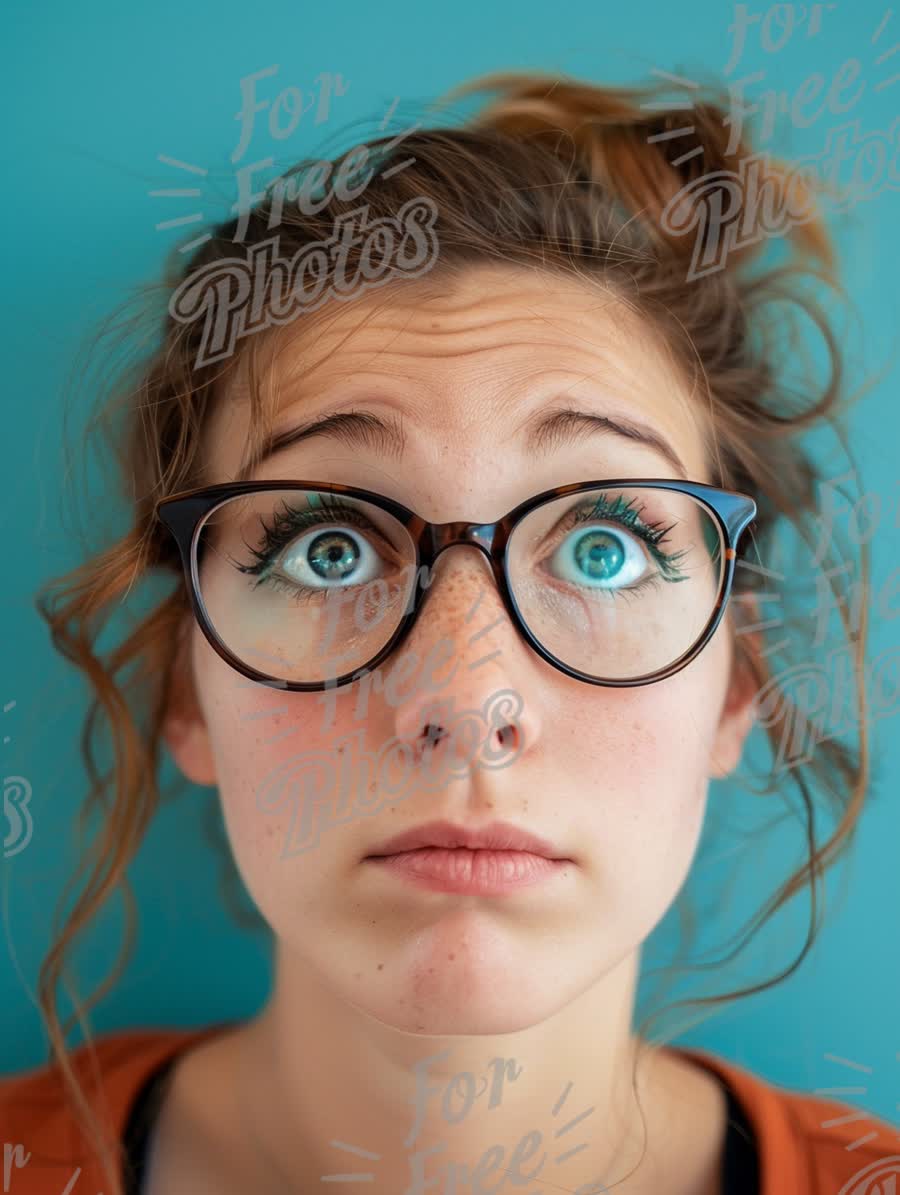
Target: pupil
{"type": "Point", "coordinates": [333, 555]}
{"type": "Point", "coordinates": [599, 554]}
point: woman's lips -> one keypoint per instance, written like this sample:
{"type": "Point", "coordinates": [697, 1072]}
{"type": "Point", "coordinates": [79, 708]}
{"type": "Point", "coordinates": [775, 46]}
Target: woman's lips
{"type": "Point", "coordinates": [458, 869]}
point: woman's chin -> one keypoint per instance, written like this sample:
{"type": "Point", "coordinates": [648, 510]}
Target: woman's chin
{"type": "Point", "coordinates": [482, 996]}
{"type": "Point", "coordinates": [465, 971]}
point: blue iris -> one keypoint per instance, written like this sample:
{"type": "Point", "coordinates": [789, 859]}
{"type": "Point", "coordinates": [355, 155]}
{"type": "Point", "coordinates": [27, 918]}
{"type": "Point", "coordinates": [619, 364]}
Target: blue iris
{"type": "Point", "coordinates": [599, 554]}
{"type": "Point", "coordinates": [333, 555]}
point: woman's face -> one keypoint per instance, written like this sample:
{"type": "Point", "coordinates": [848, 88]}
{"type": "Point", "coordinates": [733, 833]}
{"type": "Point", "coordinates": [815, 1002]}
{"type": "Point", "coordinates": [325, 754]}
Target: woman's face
{"type": "Point", "coordinates": [615, 778]}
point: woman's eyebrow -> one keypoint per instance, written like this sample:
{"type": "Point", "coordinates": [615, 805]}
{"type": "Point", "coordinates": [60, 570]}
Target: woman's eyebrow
{"type": "Point", "coordinates": [353, 428]}
{"type": "Point", "coordinates": [564, 426]}
{"type": "Point", "coordinates": [554, 430]}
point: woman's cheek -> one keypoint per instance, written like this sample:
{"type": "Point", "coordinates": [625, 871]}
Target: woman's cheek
{"type": "Point", "coordinates": [291, 788]}
{"type": "Point", "coordinates": [648, 772]}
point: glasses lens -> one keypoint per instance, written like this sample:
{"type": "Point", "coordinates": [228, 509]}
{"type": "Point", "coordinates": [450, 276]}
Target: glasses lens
{"type": "Point", "coordinates": [617, 583]}
{"type": "Point", "coordinates": [302, 585]}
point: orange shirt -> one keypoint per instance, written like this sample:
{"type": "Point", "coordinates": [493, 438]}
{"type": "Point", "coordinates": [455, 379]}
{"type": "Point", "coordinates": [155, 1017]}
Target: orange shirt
{"type": "Point", "coordinates": [807, 1145]}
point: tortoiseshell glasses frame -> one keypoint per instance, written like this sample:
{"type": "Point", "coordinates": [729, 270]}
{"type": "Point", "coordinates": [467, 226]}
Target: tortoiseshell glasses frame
{"type": "Point", "coordinates": [184, 514]}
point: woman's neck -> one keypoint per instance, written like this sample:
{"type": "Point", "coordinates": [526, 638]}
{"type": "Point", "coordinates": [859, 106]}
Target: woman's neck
{"type": "Point", "coordinates": [324, 1092]}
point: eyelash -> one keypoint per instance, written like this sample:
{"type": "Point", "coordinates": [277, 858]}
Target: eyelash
{"type": "Point", "coordinates": [285, 528]}
{"type": "Point", "coordinates": [287, 525]}
{"type": "Point", "coordinates": [653, 534]}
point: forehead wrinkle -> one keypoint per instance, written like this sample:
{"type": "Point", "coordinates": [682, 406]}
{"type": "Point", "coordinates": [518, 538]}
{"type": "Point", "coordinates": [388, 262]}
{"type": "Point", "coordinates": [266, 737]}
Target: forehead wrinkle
{"type": "Point", "coordinates": [504, 368]}
{"type": "Point", "coordinates": [502, 371]}
{"type": "Point", "coordinates": [418, 325]}
{"type": "Point", "coordinates": [442, 423]}
{"type": "Point", "coordinates": [399, 312]}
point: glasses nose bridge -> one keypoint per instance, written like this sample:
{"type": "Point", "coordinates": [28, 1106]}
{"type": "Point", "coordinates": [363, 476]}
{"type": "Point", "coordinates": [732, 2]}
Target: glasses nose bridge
{"type": "Point", "coordinates": [449, 535]}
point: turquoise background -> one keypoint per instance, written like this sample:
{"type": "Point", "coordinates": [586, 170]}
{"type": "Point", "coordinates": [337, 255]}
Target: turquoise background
{"type": "Point", "coordinates": [95, 92]}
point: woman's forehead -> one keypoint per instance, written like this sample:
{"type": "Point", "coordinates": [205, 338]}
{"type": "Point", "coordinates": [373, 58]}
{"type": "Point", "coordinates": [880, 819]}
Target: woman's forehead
{"type": "Point", "coordinates": [468, 361]}
{"type": "Point", "coordinates": [482, 310]}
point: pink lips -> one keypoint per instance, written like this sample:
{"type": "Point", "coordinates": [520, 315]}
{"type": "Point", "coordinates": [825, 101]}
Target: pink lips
{"type": "Point", "coordinates": [498, 836]}
{"type": "Point", "coordinates": [450, 858]}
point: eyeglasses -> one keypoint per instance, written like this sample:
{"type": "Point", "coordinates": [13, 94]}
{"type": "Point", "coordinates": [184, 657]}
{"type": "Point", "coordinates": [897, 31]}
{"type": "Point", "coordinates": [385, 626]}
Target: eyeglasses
{"type": "Point", "coordinates": [306, 585]}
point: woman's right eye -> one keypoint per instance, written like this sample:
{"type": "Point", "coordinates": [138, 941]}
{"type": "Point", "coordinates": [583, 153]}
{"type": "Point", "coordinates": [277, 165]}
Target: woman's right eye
{"type": "Point", "coordinates": [329, 559]}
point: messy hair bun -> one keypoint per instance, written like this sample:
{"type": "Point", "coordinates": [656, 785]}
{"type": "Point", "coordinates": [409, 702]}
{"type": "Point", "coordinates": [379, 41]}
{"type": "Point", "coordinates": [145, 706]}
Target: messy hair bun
{"type": "Point", "coordinates": [646, 155]}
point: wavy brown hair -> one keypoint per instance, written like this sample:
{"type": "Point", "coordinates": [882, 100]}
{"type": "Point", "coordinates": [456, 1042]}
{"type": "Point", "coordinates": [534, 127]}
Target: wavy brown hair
{"type": "Point", "coordinates": [550, 174]}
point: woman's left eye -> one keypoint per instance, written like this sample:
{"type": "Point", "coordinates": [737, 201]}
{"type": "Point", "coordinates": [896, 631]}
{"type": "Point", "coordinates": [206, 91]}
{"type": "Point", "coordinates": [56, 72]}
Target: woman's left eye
{"type": "Point", "coordinates": [600, 557]}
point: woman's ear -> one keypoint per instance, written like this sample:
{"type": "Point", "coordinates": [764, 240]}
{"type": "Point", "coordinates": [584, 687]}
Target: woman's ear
{"type": "Point", "coordinates": [739, 708]}
{"type": "Point", "coordinates": [184, 727]}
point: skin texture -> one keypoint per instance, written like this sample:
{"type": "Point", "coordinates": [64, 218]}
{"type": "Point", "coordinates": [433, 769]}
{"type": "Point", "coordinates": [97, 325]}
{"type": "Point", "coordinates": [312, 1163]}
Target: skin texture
{"type": "Point", "coordinates": [372, 974]}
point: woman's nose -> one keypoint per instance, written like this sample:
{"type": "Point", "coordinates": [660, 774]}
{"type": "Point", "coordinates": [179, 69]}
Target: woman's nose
{"type": "Point", "coordinates": [475, 664]}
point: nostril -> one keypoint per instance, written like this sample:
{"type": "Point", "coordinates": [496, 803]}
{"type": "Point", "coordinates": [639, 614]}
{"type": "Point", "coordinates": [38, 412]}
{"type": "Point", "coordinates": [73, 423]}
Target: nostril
{"type": "Point", "coordinates": [434, 733]}
{"type": "Point", "coordinates": [507, 735]}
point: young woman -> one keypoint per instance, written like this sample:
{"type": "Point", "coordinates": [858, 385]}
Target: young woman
{"type": "Point", "coordinates": [467, 552]}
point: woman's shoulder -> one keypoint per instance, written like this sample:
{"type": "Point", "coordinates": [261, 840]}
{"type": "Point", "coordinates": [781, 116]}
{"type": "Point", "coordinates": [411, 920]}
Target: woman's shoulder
{"type": "Point", "coordinates": [807, 1144]}
{"type": "Point", "coordinates": [40, 1132]}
